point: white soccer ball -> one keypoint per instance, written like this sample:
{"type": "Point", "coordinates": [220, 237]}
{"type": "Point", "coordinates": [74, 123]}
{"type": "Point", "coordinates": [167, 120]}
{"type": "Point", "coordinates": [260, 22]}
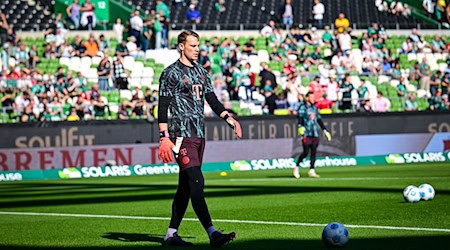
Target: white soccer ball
{"type": "Point", "coordinates": [411, 194]}
{"type": "Point", "coordinates": [426, 192]}
{"type": "Point", "coordinates": [335, 235]}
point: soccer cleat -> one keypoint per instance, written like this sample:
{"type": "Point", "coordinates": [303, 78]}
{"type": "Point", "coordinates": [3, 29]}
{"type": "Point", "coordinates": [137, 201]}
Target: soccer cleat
{"type": "Point", "coordinates": [219, 239]}
{"type": "Point", "coordinates": [296, 173]}
{"type": "Point", "coordinates": [312, 173]}
{"type": "Point", "coordinates": [176, 240]}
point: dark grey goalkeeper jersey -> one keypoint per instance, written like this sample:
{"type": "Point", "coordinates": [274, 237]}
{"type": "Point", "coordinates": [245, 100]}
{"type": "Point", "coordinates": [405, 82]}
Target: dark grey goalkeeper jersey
{"type": "Point", "coordinates": [187, 87]}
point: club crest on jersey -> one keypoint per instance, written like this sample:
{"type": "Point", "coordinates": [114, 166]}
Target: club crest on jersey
{"type": "Point", "coordinates": [186, 79]}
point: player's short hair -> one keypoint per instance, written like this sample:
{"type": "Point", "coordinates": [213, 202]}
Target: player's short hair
{"type": "Point", "coordinates": [182, 37]}
{"type": "Point", "coordinates": [309, 93]}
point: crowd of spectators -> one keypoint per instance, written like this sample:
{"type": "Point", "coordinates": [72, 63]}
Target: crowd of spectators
{"type": "Point", "coordinates": [323, 58]}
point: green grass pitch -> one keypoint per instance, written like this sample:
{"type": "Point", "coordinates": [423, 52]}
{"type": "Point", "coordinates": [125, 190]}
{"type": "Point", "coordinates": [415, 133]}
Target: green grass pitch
{"type": "Point", "coordinates": [133, 212]}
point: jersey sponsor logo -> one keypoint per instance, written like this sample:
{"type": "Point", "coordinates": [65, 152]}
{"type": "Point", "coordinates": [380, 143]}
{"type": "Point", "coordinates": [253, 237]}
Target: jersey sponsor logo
{"type": "Point", "coordinates": [197, 91]}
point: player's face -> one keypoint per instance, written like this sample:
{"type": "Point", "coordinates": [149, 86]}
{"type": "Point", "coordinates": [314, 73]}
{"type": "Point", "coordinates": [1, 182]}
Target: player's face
{"type": "Point", "coordinates": [191, 48]}
{"type": "Point", "coordinates": [310, 99]}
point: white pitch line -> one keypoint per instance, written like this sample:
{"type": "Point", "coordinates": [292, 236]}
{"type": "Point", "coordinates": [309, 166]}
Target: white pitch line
{"type": "Point", "coordinates": [278, 223]}
{"type": "Point", "coordinates": [332, 179]}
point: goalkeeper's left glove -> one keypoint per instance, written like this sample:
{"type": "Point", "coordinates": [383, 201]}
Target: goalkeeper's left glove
{"type": "Point", "coordinates": [234, 124]}
{"type": "Point", "coordinates": [300, 130]}
{"type": "Point", "coordinates": [327, 134]}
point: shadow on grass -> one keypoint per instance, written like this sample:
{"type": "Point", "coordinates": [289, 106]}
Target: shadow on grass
{"type": "Point", "coordinates": [421, 242]}
{"type": "Point", "coordinates": [109, 193]}
{"type": "Point", "coordinates": [134, 237]}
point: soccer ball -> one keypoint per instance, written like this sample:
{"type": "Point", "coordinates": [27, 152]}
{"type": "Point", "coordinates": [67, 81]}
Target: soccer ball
{"type": "Point", "coordinates": [411, 194]}
{"type": "Point", "coordinates": [335, 235]}
{"type": "Point", "coordinates": [426, 192]}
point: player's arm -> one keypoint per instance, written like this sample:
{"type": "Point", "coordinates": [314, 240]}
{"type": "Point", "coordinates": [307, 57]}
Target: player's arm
{"type": "Point", "coordinates": [167, 82]}
{"type": "Point", "coordinates": [219, 109]}
{"type": "Point", "coordinates": [324, 129]}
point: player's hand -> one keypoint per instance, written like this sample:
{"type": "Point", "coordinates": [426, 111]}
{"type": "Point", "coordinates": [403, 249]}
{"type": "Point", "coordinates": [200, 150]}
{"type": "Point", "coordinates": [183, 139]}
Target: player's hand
{"type": "Point", "coordinates": [165, 150]}
{"type": "Point", "coordinates": [327, 134]}
{"type": "Point", "coordinates": [235, 125]}
{"type": "Point", "coordinates": [301, 130]}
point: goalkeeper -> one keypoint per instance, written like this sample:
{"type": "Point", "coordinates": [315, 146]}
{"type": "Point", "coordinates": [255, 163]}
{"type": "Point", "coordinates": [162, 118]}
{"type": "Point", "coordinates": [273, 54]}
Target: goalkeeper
{"type": "Point", "coordinates": [309, 120]}
{"type": "Point", "coordinates": [184, 87]}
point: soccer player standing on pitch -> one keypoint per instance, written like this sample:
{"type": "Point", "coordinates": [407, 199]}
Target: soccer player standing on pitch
{"type": "Point", "coordinates": [184, 87]}
{"type": "Point", "coordinates": [309, 120]}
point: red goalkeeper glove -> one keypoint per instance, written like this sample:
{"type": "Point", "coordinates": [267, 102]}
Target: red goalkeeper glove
{"type": "Point", "coordinates": [165, 150]}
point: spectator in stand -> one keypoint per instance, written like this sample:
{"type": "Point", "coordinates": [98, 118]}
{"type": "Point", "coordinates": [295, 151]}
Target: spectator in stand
{"type": "Point", "coordinates": [428, 5]}
{"type": "Point", "coordinates": [424, 75]}
{"type": "Point", "coordinates": [3, 28]}
{"type": "Point", "coordinates": [8, 103]}
{"type": "Point", "coordinates": [381, 103]}
{"type": "Point", "coordinates": [193, 14]}
{"type": "Point", "coordinates": [73, 116]}
{"type": "Point", "coordinates": [123, 111]}
{"type": "Point", "coordinates": [341, 23]}
{"type": "Point", "coordinates": [246, 82]}
{"type": "Point", "coordinates": [437, 45]}
{"type": "Point", "coordinates": [92, 47]}
{"type": "Point", "coordinates": [133, 49]}
{"type": "Point", "coordinates": [267, 75]}
{"type": "Point", "coordinates": [96, 102]}
{"type": "Point", "coordinates": [345, 41]}
{"type": "Point", "coordinates": [365, 106]}
{"type": "Point", "coordinates": [281, 101]}
{"type": "Point", "coordinates": [363, 91]}
{"type": "Point", "coordinates": [318, 12]}
{"type": "Point", "coordinates": [435, 82]}
{"type": "Point", "coordinates": [22, 55]}
{"type": "Point", "coordinates": [324, 104]}
{"type": "Point", "coordinates": [220, 6]}
{"type": "Point", "coordinates": [316, 88]}
{"type": "Point", "coordinates": [385, 66]}
{"type": "Point", "coordinates": [414, 36]}
{"type": "Point", "coordinates": [287, 13]}
{"type": "Point", "coordinates": [88, 20]}
{"type": "Point", "coordinates": [414, 72]}
{"type": "Point", "coordinates": [164, 17]}
{"type": "Point", "coordinates": [294, 88]}
{"type": "Point", "coordinates": [120, 74]}
{"type": "Point", "coordinates": [437, 101]}
{"type": "Point", "coordinates": [346, 89]}
{"type": "Point", "coordinates": [118, 30]}
{"type": "Point", "coordinates": [103, 43]}
{"type": "Point", "coordinates": [204, 60]}
{"type": "Point", "coordinates": [410, 103]}
{"type": "Point", "coordinates": [401, 89]}
{"type": "Point", "coordinates": [136, 26]}
{"type": "Point", "coordinates": [104, 73]}
{"type": "Point", "coordinates": [327, 37]}
{"type": "Point", "coordinates": [445, 84]}
{"type": "Point", "coordinates": [73, 12]}
{"type": "Point", "coordinates": [137, 102]}
{"type": "Point", "coordinates": [407, 47]}
{"type": "Point", "coordinates": [121, 49]}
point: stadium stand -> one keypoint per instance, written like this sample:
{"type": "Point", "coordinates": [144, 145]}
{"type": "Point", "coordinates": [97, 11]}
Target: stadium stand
{"type": "Point", "coordinates": [251, 14]}
{"type": "Point", "coordinates": [372, 70]}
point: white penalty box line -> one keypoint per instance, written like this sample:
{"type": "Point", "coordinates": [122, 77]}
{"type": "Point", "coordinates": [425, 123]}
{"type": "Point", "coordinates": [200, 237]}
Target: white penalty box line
{"type": "Point", "coordinates": [255, 222]}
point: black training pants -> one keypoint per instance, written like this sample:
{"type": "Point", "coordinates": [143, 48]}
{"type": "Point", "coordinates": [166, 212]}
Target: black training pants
{"type": "Point", "coordinates": [190, 186]}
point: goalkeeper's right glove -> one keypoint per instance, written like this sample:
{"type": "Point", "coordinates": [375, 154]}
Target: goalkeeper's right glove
{"type": "Point", "coordinates": [165, 150]}
{"type": "Point", "coordinates": [327, 134]}
{"type": "Point", "coordinates": [301, 130]}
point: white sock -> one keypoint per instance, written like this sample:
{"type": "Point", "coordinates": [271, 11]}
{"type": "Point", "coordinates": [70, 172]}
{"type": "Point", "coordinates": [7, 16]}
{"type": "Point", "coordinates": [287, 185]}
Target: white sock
{"type": "Point", "coordinates": [210, 231]}
{"type": "Point", "coordinates": [170, 233]}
